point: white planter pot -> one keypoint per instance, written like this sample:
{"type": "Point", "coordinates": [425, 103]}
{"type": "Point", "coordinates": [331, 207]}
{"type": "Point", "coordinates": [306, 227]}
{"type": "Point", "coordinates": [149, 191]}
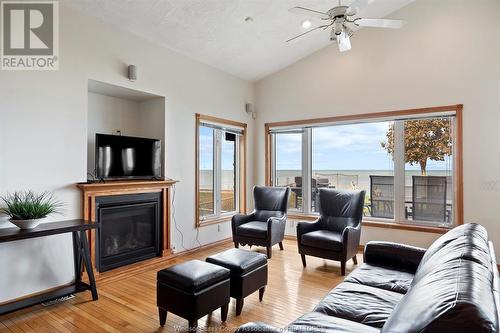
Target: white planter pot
{"type": "Point", "coordinates": [26, 224]}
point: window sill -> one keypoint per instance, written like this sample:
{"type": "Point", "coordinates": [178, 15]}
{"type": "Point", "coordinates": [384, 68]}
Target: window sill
{"type": "Point", "coordinates": [380, 224]}
{"type": "Point", "coordinates": [215, 220]}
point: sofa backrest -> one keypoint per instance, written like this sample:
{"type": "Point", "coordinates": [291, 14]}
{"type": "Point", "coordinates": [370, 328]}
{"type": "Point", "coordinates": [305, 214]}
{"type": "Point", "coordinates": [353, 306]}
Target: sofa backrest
{"type": "Point", "coordinates": [453, 288]}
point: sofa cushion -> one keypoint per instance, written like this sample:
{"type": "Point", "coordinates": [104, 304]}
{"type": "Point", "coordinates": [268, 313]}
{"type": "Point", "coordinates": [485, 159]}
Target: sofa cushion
{"type": "Point", "coordinates": [253, 229]}
{"type": "Point", "coordinates": [465, 231]}
{"type": "Point", "coordinates": [323, 239]}
{"type": "Point", "coordinates": [468, 241]}
{"type": "Point", "coordinates": [457, 298]}
{"type": "Point", "coordinates": [357, 302]}
{"type": "Point", "coordinates": [381, 277]}
{"type": "Point", "coordinates": [320, 322]}
{"type": "Point", "coordinates": [452, 290]}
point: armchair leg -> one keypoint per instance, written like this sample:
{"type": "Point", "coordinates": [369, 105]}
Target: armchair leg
{"type": "Point", "coordinates": [269, 252]}
{"type": "Point", "coordinates": [303, 256]}
{"type": "Point", "coordinates": [281, 246]}
{"type": "Point", "coordinates": [236, 245]}
{"type": "Point", "coordinates": [355, 260]}
{"type": "Point", "coordinates": [342, 267]}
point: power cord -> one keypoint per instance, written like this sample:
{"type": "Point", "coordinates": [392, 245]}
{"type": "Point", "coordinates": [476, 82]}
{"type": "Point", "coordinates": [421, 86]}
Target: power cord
{"type": "Point", "coordinates": [197, 237]}
{"type": "Point", "coordinates": [175, 221]}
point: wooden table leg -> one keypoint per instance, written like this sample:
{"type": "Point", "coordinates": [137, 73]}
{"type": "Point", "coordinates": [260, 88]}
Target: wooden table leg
{"type": "Point", "coordinates": [88, 264]}
{"type": "Point", "coordinates": [77, 255]}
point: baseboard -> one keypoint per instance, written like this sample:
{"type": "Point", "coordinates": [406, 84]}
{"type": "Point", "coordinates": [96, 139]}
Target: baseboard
{"type": "Point", "coordinates": [203, 247]}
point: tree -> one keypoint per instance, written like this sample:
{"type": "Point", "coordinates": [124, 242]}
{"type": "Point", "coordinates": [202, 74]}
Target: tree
{"type": "Point", "coordinates": [424, 139]}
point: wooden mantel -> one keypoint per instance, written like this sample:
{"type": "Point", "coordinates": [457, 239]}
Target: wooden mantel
{"type": "Point", "coordinates": [90, 191]}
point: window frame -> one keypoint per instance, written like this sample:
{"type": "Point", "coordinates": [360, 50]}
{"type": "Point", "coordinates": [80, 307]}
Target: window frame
{"type": "Point", "coordinates": [240, 170]}
{"type": "Point", "coordinates": [399, 221]}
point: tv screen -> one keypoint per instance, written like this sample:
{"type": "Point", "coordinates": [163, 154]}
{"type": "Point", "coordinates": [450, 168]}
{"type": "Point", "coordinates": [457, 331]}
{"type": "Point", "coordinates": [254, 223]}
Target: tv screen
{"type": "Point", "coordinates": [118, 157]}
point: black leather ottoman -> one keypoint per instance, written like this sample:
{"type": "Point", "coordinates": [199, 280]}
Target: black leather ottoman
{"type": "Point", "coordinates": [248, 273]}
{"type": "Point", "coordinates": [192, 290]}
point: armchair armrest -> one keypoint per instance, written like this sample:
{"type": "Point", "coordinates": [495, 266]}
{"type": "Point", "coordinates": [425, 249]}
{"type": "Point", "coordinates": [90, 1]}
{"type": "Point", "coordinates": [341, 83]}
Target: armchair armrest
{"type": "Point", "coordinates": [399, 256]}
{"type": "Point", "coordinates": [276, 228]}
{"type": "Point", "coordinates": [259, 327]}
{"type": "Point", "coordinates": [350, 239]}
{"type": "Point", "coordinates": [240, 219]}
{"type": "Point", "coordinates": [305, 227]}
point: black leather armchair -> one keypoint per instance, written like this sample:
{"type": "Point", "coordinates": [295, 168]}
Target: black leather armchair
{"type": "Point", "coordinates": [335, 235]}
{"type": "Point", "coordinates": [265, 226]}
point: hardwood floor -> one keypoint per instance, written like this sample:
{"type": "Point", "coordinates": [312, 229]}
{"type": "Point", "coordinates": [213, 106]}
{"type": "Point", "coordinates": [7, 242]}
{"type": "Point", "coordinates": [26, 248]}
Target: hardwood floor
{"type": "Point", "coordinates": [129, 304]}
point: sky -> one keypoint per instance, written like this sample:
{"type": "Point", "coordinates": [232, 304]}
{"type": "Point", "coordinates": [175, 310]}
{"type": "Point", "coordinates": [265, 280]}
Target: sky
{"type": "Point", "coordinates": [343, 147]}
{"type": "Point", "coordinates": [206, 151]}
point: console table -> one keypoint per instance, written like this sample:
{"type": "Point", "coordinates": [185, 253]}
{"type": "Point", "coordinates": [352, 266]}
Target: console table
{"type": "Point", "coordinates": [79, 229]}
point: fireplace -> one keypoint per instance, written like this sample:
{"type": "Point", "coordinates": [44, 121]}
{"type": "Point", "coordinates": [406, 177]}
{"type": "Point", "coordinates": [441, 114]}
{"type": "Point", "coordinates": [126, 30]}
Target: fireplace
{"type": "Point", "coordinates": [130, 229]}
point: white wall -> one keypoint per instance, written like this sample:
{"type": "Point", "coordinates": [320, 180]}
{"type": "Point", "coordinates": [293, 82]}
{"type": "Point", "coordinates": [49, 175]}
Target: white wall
{"type": "Point", "coordinates": [442, 56]}
{"type": "Point", "coordinates": [43, 137]}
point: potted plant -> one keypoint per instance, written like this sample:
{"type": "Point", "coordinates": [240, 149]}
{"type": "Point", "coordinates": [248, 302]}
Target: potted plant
{"type": "Point", "coordinates": [27, 209]}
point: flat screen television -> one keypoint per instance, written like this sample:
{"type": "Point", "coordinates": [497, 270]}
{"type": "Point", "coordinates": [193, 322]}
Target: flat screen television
{"type": "Point", "coordinates": [126, 157]}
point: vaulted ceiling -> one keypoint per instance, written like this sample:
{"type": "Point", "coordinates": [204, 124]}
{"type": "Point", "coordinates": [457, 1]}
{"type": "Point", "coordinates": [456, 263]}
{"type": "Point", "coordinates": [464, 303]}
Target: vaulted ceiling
{"type": "Point", "coordinates": [216, 33]}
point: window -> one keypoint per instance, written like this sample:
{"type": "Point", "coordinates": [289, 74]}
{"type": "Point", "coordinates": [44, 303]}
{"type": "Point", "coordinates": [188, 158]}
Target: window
{"type": "Point", "coordinates": [288, 171]}
{"type": "Point", "coordinates": [220, 185]}
{"type": "Point", "coordinates": [408, 162]}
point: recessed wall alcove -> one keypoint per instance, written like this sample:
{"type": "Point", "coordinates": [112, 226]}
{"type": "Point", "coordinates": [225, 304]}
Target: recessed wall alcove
{"type": "Point", "coordinates": [118, 110]}
{"type": "Point", "coordinates": [133, 214]}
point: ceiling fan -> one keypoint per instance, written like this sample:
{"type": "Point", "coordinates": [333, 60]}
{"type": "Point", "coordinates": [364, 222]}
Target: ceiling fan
{"type": "Point", "coordinates": [341, 20]}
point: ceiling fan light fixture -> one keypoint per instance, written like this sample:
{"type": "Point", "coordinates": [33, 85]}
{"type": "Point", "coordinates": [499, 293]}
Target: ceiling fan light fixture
{"type": "Point", "coordinates": [344, 42]}
{"type": "Point", "coordinates": [306, 24]}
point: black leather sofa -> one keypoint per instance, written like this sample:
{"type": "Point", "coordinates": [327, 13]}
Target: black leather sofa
{"type": "Point", "coordinates": [450, 287]}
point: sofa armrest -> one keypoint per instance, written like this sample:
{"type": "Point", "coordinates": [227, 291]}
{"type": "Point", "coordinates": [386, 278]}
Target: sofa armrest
{"type": "Point", "coordinates": [305, 227]}
{"type": "Point", "coordinates": [395, 255]}
{"type": "Point", "coordinates": [259, 327]}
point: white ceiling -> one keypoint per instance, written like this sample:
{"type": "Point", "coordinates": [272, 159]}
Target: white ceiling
{"type": "Point", "coordinates": [214, 32]}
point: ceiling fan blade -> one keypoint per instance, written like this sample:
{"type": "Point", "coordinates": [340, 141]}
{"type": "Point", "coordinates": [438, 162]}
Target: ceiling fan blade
{"type": "Point", "coordinates": [344, 42]}
{"type": "Point", "coordinates": [379, 23]}
{"type": "Point", "coordinates": [308, 31]}
{"type": "Point", "coordinates": [308, 12]}
{"type": "Point", "coordinates": [357, 5]}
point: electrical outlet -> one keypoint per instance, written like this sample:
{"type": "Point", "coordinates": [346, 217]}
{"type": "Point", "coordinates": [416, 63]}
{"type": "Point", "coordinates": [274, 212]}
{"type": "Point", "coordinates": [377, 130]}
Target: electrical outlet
{"type": "Point", "coordinates": [218, 227]}
{"type": "Point", "coordinates": [173, 246]}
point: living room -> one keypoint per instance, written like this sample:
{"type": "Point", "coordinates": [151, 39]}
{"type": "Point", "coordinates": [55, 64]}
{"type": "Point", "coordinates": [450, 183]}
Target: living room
{"type": "Point", "coordinates": [218, 101]}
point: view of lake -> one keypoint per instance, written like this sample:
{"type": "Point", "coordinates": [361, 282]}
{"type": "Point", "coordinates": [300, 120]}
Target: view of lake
{"type": "Point", "coordinates": [341, 179]}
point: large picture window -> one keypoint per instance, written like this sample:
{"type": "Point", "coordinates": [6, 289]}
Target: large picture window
{"type": "Point", "coordinates": [220, 185]}
{"type": "Point", "coordinates": [408, 162]}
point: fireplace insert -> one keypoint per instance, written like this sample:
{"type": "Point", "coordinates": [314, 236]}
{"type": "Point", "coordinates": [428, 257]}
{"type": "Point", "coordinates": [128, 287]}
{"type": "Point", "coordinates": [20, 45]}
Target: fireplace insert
{"type": "Point", "coordinates": [129, 229]}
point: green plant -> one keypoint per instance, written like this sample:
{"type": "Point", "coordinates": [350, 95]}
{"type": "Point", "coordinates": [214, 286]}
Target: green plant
{"type": "Point", "coordinates": [27, 205]}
